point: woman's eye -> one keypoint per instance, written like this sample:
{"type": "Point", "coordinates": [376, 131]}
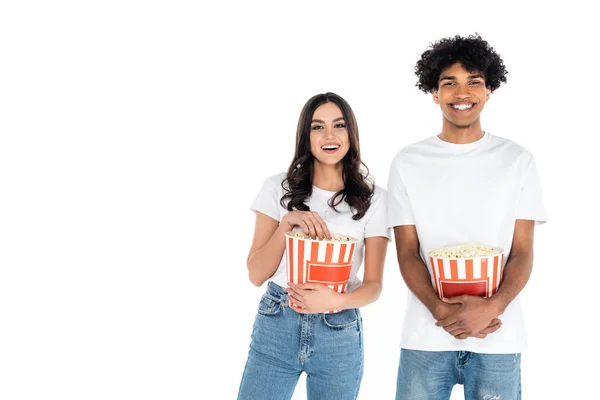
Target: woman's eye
{"type": "Point", "coordinates": [316, 127]}
{"type": "Point", "coordinates": [340, 126]}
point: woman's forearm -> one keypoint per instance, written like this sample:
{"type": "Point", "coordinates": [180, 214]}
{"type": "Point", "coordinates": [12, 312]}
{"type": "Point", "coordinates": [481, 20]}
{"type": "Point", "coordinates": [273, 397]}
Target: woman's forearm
{"type": "Point", "coordinates": [263, 262]}
{"type": "Point", "coordinates": [366, 293]}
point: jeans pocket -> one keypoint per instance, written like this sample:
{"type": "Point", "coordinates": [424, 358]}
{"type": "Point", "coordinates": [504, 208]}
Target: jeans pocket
{"type": "Point", "coordinates": [269, 305]}
{"type": "Point", "coordinates": [344, 319]}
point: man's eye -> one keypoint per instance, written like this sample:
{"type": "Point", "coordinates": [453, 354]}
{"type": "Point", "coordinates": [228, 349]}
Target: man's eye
{"type": "Point", "coordinates": [475, 83]}
{"type": "Point", "coordinates": [449, 84]}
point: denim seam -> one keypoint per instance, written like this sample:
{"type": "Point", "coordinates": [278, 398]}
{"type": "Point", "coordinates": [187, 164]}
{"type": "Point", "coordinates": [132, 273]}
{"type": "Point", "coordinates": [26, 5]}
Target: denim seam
{"type": "Point", "coordinates": [362, 358]}
{"type": "Point", "coordinates": [274, 306]}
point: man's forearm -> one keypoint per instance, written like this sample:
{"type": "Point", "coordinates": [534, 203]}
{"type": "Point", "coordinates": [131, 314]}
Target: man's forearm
{"type": "Point", "coordinates": [417, 279]}
{"type": "Point", "coordinates": [515, 275]}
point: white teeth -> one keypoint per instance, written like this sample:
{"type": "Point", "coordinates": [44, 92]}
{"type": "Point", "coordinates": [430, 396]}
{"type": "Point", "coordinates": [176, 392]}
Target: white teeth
{"type": "Point", "coordinates": [332, 147]}
{"type": "Point", "coordinates": [462, 106]}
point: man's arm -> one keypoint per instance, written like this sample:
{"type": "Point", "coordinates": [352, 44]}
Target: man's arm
{"type": "Point", "coordinates": [417, 279]}
{"type": "Point", "coordinates": [415, 273]}
{"type": "Point", "coordinates": [518, 267]}
{"type": "Point", "coordinates": [477, 312]}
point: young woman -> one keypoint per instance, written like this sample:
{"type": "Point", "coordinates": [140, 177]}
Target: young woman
{"type": "Point", "coordinates": [326, 187]}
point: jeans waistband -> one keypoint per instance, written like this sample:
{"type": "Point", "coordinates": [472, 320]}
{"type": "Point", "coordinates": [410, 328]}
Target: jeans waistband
{"type": "Point", "coordinates": [276, 291]}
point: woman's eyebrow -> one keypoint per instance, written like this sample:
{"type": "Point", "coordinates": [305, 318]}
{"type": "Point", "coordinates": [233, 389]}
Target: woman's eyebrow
{"type": "Point", "coordinates": [322, 122]}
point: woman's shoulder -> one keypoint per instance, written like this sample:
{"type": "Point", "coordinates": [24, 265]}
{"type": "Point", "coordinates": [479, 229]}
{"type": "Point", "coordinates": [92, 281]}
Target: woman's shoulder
{"type": "Point", "coordinates": [274, 181]}
{"type": "Point", "coordinates": [378, 191]}
{"type": "Point", "coordinates": [379, 196]}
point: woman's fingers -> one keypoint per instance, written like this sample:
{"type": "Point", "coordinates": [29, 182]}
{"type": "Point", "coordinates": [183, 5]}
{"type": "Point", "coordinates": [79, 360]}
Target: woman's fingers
{"type": "Point", "coordinates": [320, 226]}
{"type": "Point", "coordinates": [299, 310]}
{"type": "Point", "coordinates": [311, 223]}
{"type": "Point", "coordinates": [305, 227]}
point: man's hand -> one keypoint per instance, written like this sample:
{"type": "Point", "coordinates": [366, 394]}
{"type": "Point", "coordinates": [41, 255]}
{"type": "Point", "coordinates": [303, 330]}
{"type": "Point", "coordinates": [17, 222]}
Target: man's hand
{"type": "Point", "coordinates": [313, 298]}
{"type": "Point", "coordinates": [476, 317]}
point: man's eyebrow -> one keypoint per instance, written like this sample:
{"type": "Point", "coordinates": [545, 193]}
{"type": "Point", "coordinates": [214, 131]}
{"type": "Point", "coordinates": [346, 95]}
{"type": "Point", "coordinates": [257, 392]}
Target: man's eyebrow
{"type": "Point", "coordinates": [448, 78]}
{"type": "Point", "coordinates": [453, 78]}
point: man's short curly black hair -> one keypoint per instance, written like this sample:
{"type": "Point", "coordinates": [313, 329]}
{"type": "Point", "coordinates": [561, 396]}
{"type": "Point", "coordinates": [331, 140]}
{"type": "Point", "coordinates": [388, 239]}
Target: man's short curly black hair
{"type": "Point", "coordinates": [474, 53]}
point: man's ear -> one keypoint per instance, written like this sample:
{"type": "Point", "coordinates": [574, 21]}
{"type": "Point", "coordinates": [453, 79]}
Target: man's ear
{"type": "Point", "coordinates": [436, 99]}
{"type": "Point", "coordinates": [488, 92]}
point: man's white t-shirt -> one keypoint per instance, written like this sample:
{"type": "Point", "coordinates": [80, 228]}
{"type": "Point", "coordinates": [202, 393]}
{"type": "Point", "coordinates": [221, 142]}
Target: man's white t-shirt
{"type": "Point", "coordinates": [458, 194]}
{"type": "Point", "coordinates": [373, 223]}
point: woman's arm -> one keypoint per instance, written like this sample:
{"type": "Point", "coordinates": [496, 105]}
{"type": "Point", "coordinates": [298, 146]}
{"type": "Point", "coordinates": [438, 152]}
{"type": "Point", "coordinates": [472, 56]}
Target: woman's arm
{"type": "Point", "coordinates": [268, 243]}
{"type": "Point", "coordinates": [317, 298]}
{"type": "Point", "coordinates": [369, 291]}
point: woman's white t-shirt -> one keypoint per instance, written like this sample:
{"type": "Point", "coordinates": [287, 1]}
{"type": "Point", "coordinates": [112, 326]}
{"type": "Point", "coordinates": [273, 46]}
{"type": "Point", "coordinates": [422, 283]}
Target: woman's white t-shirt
{"type": "Point", "coordinates": [374, 222]}
{"type": "Point", "coordinates": [463, 194]}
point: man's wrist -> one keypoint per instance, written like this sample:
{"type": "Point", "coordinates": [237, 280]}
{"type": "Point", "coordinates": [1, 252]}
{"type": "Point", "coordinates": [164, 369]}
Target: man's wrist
{"type": "Point", "coordinates": [498, 304]}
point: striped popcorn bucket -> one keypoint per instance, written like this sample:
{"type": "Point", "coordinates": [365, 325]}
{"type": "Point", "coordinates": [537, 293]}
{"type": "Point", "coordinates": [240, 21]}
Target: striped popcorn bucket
{"type": "Point", "coordinates": [477, 276]}
{"type": "Point", "coordinates": [316, 261]}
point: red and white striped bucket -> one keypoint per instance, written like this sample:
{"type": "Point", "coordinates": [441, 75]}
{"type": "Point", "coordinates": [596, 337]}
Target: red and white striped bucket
{"type": "Point", "coordinates": [476, 276]}
{"type": "Point", "coordinates": [317, 261]}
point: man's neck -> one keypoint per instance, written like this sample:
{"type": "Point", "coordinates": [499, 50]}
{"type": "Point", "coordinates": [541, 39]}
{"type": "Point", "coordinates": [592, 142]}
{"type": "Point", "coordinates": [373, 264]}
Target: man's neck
{"type": "Point", "coordinates": [461, 135]}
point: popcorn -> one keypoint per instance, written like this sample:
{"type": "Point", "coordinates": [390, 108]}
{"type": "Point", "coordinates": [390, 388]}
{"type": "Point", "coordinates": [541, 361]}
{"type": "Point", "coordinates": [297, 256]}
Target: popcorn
{"type": "Point", "coordinates": [334, 238]}
{"type": "Point", "coordinates": [465, 251]}
{"type": "Point", "coordinates": [475, 270]}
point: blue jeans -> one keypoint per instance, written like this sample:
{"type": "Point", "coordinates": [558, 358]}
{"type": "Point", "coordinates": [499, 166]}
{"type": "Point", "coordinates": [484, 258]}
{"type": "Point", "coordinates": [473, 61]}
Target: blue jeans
{"type": "Point", "coordinates": [431, 375]}
{"type": "Point", "coordinates": [328, 347]}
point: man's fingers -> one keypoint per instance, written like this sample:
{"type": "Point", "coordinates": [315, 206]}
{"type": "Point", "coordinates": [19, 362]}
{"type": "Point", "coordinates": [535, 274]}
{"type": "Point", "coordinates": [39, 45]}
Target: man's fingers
{"type": "Point", "coordinates": [453, 300]}
{"type": "Point", "coordinates": [451, 327]}
{"type": "Point", "coordinates": [492, 328]}
{"type": "Point", "coordinates": [457, 332]}
{"type": "Point", "coordinates": [447, 321]}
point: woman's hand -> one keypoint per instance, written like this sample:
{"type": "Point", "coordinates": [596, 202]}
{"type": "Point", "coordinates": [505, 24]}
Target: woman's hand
{"type": "Point", "coordinates": [312, 298]}
{"type": "Point", "coordinates": [310, 222]}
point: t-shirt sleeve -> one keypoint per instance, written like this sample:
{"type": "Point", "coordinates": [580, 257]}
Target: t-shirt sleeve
{"type": "Point", "coordinates": [399, 209]}
{"type": "Point", "coordinates": [531, 203]}
{"type": "Point", "coordinates": [267, 200]}
{"type": "Point", "coordinates": [376, 225]}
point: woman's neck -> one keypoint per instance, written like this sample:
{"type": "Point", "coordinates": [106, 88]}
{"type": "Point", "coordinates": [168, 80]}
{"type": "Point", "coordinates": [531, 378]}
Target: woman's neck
{"type": "Point", "coordinates": [328, 177]}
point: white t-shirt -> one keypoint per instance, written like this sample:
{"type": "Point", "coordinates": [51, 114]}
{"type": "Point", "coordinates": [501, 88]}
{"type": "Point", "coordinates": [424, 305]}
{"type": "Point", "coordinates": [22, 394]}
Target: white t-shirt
{"type": "Point", "coordinates": [374, 222]}
{"type": "Point", "coordinates": [463, 194]}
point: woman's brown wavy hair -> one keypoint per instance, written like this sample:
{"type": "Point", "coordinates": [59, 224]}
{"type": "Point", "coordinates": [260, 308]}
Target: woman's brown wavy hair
{"type": "Point", "coordinates": [358, 189]}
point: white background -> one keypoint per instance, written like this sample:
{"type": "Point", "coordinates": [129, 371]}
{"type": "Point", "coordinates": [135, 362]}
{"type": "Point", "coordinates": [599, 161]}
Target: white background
{"type": "Point", "coordinates": [135, 135]}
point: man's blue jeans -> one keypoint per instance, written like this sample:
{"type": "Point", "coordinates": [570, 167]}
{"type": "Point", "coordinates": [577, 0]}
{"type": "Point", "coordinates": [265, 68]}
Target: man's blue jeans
{"type": "Point", "coordinates": [431, 375]}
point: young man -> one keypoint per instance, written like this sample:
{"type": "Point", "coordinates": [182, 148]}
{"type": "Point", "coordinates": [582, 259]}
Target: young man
{"type": "Point", "coordinates": [463, 186]}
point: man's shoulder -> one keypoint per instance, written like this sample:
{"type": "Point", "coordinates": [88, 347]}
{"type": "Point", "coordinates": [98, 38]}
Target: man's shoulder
{"type": "Point", "coordinates": [509, 146]}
